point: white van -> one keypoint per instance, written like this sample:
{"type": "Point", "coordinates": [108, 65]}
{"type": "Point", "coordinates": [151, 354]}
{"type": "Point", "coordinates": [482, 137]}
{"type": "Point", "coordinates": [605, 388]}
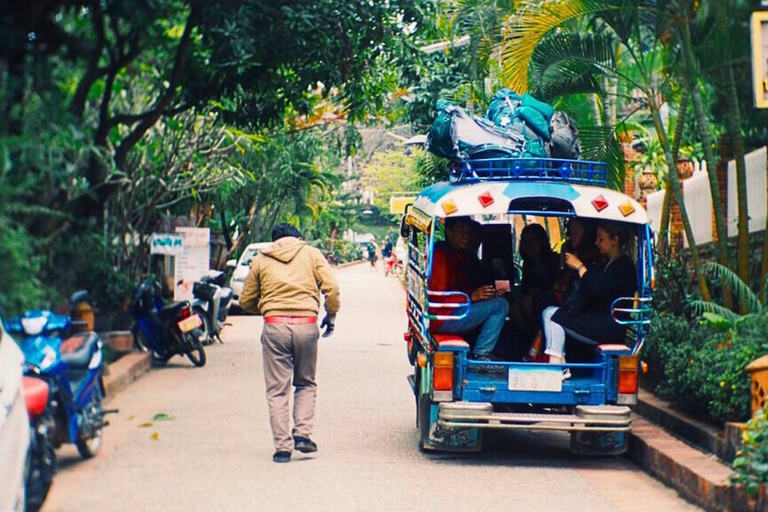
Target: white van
{"type": "Point", "coordinates": [241, 267]}
{"type": "Point", "coordinates": [14, 425]}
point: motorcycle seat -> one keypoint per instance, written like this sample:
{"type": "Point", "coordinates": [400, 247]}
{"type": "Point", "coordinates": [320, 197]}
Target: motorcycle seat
{"type": "Point", "coordinates": [170, 311]}
{"type": "Point", "coordinates": [35, 395]}
{"type": "Point", "coordinates": [77, 350]}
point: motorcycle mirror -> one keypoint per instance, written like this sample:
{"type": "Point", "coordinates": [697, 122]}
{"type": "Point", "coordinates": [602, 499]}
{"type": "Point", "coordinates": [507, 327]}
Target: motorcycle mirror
{"type": "Point", "coordinates": [231, 263]}
{"type": "Point", "coordinates": [78, 297]}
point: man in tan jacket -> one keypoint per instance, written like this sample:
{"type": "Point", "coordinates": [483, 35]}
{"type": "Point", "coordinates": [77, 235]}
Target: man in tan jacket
{"type": "Point", "coordinates": [284, 285]}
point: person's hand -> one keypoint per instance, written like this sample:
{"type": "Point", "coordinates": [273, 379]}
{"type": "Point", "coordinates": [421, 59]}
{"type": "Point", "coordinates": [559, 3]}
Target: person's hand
{"type": "Point", "coordinates": [572, 261]}
{"type": "Point", "coordinates": [483, 293]}
{"type": "Point", "coordinates": [329, 322]}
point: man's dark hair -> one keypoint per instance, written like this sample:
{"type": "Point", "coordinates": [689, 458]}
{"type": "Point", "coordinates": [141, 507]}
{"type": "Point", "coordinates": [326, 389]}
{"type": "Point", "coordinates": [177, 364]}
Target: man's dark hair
{"type": "Point", "coordinates": [452, 222]}
{"type": "Point", "coordinates": [284, 229]}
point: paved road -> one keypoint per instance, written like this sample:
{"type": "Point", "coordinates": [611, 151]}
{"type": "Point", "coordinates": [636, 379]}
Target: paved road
{"type": "Point", "coordinates": [216, 452]}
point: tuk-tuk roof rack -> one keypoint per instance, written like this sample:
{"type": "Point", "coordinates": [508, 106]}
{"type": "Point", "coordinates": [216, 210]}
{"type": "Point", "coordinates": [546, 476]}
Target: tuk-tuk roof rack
{"type": "Point", "coordinates": [583, 172]}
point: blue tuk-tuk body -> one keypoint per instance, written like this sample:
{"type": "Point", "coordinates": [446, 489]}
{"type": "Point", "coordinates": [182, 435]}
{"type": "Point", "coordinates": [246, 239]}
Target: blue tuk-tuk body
{"type": "Point", "coordinates": [458, 397]}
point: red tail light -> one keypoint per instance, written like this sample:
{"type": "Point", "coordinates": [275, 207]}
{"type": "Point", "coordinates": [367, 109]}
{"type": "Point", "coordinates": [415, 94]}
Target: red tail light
{"type": "Point", "coordinates": [628, 374]}
{"type": "Point", "coordinates": [185, 312]}
{"type": "Point", "coordinates": [443, 372]}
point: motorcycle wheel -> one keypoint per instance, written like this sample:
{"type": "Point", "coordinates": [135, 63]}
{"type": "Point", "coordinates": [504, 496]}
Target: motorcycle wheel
{"type": "Point", "coordinates": [141, 343]}
{"type": "Point", "coordinates": [41, 465]}
{"type": "Point", "coordinates": [194, 349]}
{"type": "Point", "coordinates": [88, 447]}
{"type": "Point", "coordinates": [205, 336]}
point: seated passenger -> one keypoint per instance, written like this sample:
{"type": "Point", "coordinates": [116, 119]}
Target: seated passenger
{"type": "Point", "coordinates": [455, 268]}
{"type": "Point", "coordinates": [581, 237]}
{"type": "Point", "coordinates": [601, 284]}
{"type": "Point", "coordinates": [540, 268]}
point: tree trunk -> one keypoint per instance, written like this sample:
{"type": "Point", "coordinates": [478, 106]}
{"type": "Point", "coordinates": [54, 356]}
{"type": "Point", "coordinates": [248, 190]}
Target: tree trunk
{"type": "Point", "coordinates": [674, 181]}
{"type": "Point", "coordinates": [611, 86]}
{"type": "Point", "coordinates": [733, 117]}
{"type": "Point", "coordinates": [594, 103]}
{"type": "Point", "coordinates": [701, 126]}
{"type": "Point", "coordinates": [667, 207]}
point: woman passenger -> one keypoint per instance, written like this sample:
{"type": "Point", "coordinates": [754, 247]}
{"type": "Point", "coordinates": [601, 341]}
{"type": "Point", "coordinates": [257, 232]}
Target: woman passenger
{"type": "Point", "coordinates": [601, 284]}
{"type": "Point", "coordinates": [581, 242]}
{"type": "Point", "coordinates": [540, 268]}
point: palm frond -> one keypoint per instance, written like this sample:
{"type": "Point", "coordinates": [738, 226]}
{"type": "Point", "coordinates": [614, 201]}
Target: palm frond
{"type": "Point", "coordinates": [699, 307]}
{"type": "Point", "coordinates": [568, 62]}
{"type": "Point", "coordinates": [741, 290]}
{"type": "Point", "coordinates": [528, 26]}
{"type": "Point", "coordinates": [599, 143]}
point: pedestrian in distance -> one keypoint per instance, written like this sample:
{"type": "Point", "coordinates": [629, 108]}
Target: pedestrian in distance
{"type": "Point", "coordinates": [284, 285]}
{"type": "Point", "coordinates": [373, 254]}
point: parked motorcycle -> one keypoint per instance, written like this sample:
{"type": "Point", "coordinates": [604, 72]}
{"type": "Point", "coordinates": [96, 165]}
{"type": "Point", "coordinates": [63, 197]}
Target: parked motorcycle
{"type": "Point", "coordinates": [41, 459]}
{"type": "Point", "coordinates": [72, 370]}
{"type": "Point", "coordinates": [165, 331]}
{"type": "Point", "coordinates": [212, 302]}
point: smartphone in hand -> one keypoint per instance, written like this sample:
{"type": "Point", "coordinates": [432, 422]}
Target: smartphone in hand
{"type": "Point", "coordinates": [502, 286]}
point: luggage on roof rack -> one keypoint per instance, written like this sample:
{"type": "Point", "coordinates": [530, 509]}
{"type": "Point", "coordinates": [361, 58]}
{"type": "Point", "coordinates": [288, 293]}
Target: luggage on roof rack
{"type": "Point", "coordinates": [550, 169]}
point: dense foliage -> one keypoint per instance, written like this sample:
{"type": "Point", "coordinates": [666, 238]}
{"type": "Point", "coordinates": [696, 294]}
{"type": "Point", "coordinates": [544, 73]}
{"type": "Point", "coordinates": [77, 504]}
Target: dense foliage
{"type": "Point", "coordinates": [751, 463]}
{"type": "Point", "coordinates": [700, 368]}
{"type": "Point", "coordinates": [118, 116]}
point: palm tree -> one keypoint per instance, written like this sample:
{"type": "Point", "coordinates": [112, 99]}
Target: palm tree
{"type": "Point", "coordinates": [626, 31]}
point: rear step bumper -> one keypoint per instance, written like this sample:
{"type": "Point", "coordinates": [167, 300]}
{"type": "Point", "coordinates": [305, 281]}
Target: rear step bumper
{"type": "Point", "coordinates": [591, 418]}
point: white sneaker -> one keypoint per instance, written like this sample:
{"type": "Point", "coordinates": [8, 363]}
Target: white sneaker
{"type": "Point", "coordinates": [566, 373]}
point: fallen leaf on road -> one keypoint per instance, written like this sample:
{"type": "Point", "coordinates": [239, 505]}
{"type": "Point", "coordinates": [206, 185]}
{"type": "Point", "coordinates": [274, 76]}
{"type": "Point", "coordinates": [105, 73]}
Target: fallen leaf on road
{"type": "Point", "coordinates": [129, 418]}
{"type": "Point", "coordinates": [161, 416]}
{"type": "Point", "coordinates": [148, 424]}
{"type": "Point", "coordinates": [156, 436]}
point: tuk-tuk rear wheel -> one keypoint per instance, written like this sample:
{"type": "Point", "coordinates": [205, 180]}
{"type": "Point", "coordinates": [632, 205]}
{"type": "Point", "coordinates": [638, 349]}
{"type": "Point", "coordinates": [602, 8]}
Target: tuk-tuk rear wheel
{"type": "Point", "coordinates": [423, 421]}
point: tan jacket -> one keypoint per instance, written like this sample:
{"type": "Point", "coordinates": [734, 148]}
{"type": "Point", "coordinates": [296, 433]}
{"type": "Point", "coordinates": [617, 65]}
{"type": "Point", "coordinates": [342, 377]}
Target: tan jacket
{"type": "Point", "coordinates": [286, 280]}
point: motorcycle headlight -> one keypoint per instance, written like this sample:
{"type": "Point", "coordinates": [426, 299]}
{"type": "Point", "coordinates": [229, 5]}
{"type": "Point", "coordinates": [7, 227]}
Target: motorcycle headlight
{"type": "Point", "coordinates": [48, 359]}
{"type": "Point", "coordinates": [33, 326]}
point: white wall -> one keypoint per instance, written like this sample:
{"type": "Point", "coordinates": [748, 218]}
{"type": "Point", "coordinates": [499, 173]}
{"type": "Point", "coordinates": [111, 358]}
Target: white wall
{"type": "Point", "coordinates": [757, 202]}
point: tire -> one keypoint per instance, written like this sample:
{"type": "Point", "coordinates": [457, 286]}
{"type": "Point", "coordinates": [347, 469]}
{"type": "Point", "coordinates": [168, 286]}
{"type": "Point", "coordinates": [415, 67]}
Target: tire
{"type": "Point", "coordinates": [142, 345]}
{"type": "Point", "coordinates": [88, 447]}
{"type": "Point", "coordinates": [422, 421]}
{"type": "Point", "coordinates": [41, 466]}
{"type": "Point", "coordinates": [205, 336]}
{"type": "Point", "coordinates": [194, 349]}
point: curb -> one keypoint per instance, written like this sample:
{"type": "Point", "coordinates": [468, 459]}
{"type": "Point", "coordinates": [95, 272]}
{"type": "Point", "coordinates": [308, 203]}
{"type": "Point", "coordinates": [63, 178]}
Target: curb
{"type": "Point", "coordinates": [124, 371]}
{"type": "Point", "coordinates": [697, 476]}
{"type": "Point", "coordinates": [723, 443]}
{"type": "Point", "coordinates": [349, 264]}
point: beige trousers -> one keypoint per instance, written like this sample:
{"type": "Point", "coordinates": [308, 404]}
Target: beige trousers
{"type": "Point", "coordinates": [290, 351]}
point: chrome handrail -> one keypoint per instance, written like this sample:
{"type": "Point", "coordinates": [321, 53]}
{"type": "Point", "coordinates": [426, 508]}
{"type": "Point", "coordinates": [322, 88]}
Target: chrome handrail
{"type": "Point", "coordinates": [450, 305]}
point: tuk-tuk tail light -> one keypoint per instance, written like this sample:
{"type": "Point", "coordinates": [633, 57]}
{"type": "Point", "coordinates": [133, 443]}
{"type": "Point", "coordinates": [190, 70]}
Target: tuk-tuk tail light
{"type": "Point", "coordinates": [442, 376]}
{"type": "Point", "coordinates": [629, 369]}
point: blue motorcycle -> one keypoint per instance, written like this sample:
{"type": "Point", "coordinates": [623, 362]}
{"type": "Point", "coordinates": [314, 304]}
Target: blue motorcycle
{"type": "Point", "coordinates": [72, 369]}
{"type": "Point", "coordinates": [165, 331]}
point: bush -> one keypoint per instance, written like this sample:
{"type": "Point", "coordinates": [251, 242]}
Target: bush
{"type": "Point", "coordinates": [20, 288]}
{"type": "Point", "coordinates": [701, 368]}
{"type": "Point", "coordinates": [83, 261]}
{"type": "Point", "coordinates": [751, 463]}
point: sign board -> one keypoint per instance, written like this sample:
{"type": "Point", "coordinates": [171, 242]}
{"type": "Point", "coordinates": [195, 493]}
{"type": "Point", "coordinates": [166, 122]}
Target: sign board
{"type": "Point", "coordinates": [760, 58]}
{"type": "Point", "coordinates": [397, 204]}
{"type": "Point", "coordinates": [192, 263]}
{"type": "Point", "coordinates": [165, 243]}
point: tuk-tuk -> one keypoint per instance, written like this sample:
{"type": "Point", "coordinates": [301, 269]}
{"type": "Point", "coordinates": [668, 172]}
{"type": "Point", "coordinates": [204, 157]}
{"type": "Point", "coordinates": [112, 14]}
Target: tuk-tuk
{"type": "Point", "coordinates": [458, 397]}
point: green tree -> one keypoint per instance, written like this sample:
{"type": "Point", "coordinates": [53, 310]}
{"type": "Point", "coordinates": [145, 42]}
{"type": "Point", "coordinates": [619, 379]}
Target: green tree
{"type": "Point", "coordinates": [389, 173]}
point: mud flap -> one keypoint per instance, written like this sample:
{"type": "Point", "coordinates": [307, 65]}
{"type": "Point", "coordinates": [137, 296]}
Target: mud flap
{"type": "Point", "coordinates": [451, 439]}
{"type": "Point", "coordinates": [599, 443]}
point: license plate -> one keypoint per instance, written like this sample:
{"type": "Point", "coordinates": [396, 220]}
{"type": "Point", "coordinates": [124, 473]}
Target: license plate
{"type": "Point", "coordinates": [190, 324]}
{"type": "Point", "coordinates": [535, 379]}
